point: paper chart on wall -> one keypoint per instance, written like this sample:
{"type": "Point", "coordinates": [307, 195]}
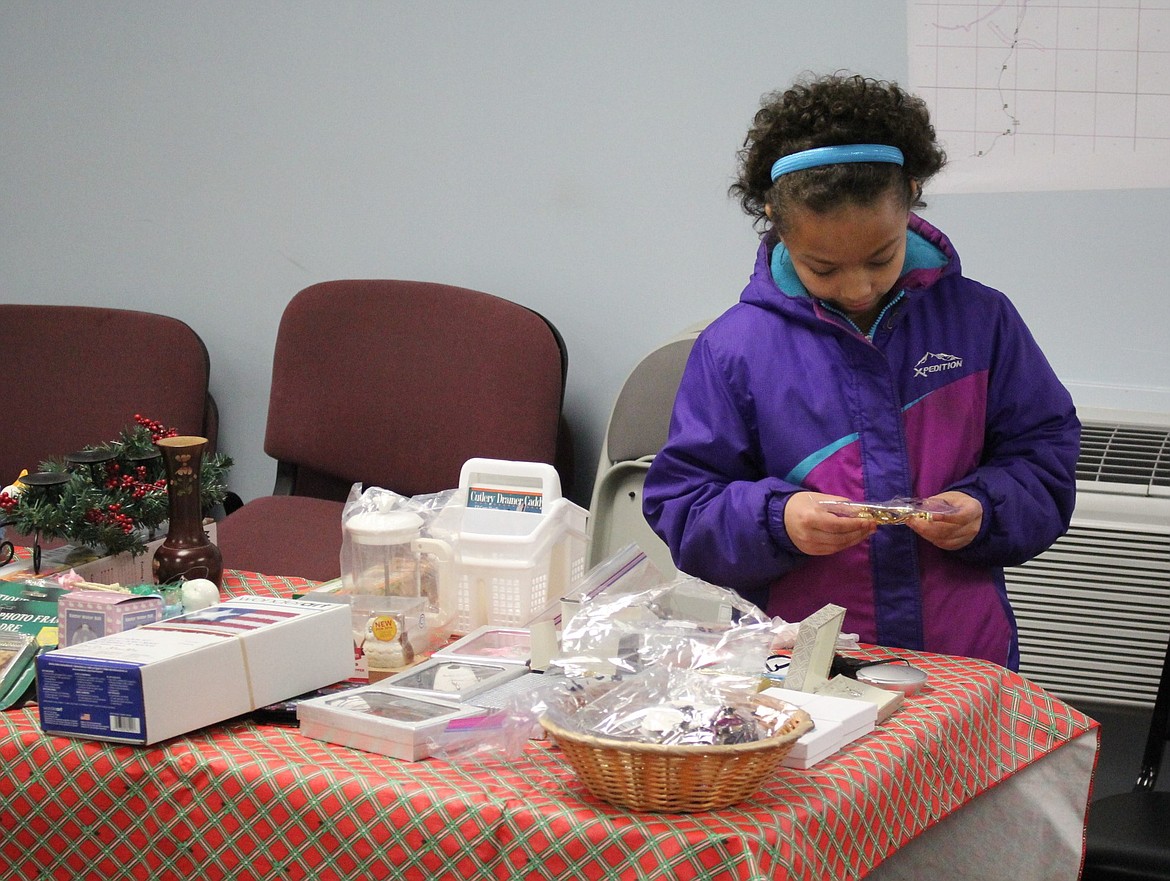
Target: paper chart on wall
{"type": "Point", "coordinates": [1045, 94]}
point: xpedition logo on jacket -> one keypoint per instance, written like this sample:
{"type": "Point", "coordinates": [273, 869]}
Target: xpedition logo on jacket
{"type": "Point", "coordinates": [936, 363]}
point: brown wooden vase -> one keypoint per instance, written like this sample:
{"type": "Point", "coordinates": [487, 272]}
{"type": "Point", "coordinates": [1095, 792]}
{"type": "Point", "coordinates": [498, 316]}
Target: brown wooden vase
{"type": "Point", "coordinates": [186, 552]}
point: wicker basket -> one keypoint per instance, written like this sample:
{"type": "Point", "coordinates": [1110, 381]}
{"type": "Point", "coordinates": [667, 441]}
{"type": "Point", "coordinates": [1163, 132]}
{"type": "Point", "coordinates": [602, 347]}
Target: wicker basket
{"type": "Point", "coordinates": [675, 779]}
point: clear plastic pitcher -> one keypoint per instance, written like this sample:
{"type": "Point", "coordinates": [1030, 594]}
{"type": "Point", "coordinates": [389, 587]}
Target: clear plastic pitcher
{"type": "Point", "coordinates": [389, 557]}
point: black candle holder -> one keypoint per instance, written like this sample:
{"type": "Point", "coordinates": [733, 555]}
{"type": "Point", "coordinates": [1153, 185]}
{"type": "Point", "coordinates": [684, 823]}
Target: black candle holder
{"type": "Point", "coordinates": [7, 548]}
{"type": "Point", "coordinates": [95, 459]}
{"type": "Point", "coordinates": [47, 481]}
{"type": "Point", "coordinates": [153, 461]}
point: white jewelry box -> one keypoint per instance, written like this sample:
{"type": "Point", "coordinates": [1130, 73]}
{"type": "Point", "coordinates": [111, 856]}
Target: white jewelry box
{"type": "Point", "coordinates": [837, 721]}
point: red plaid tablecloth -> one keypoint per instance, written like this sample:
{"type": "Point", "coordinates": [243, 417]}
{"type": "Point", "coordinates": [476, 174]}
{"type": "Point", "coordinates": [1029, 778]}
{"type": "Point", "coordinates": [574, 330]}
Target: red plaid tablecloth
{"type": "Point", "coordinates": [245, 800]}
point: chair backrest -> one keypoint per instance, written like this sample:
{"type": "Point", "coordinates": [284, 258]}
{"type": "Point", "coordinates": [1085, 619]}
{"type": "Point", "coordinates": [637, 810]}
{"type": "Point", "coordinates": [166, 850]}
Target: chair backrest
{"type": "Point", "coordinates": [1159, 731]}
{"type": "Point", "coordinates": [638, 426]}
{"type": "Point", "coordinates": [640, 417]}
{"type": "Point", "coordinates": [77, 375]}
{"type": "Point", "coordinates": [398, 383]}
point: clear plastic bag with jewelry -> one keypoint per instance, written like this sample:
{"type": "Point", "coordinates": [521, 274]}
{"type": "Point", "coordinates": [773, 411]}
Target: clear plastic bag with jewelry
{"type": "Point", "coordinates": [895, 511]}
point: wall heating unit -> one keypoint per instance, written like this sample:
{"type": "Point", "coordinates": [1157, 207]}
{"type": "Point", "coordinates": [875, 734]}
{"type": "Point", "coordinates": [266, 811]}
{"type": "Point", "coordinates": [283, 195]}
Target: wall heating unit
{"type": "Point", "coordinates": [1094, 609]}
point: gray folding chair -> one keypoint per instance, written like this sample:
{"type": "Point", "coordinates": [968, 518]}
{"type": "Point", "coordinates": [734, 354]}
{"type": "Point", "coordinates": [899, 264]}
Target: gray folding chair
{"type": "Point", "coordinates": [637, 429]}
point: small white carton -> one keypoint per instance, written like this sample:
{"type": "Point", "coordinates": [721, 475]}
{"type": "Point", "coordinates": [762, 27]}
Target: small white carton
{"type": "Point", "coordinates": [837, 721]}
{"type": "Point", "coordinates": [165, 679]}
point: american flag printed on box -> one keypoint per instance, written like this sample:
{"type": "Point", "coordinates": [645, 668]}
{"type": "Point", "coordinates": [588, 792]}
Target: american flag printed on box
{"type": "Point", "coordinates": [227, 620]}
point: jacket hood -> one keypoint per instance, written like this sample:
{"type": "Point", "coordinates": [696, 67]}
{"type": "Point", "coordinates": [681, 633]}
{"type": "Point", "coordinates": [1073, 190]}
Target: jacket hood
{"type": "Point", "coordinates": [774, 284]}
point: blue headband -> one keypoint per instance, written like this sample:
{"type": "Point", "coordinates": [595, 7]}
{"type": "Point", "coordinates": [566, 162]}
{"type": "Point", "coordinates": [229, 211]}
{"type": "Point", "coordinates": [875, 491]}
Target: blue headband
{"type": "Point", "coordinates": [836, 156]}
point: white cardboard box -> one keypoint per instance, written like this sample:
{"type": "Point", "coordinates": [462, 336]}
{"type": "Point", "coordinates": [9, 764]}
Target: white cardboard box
{"type": "Point", "coordinates": [171, 677]}
{"type": "Point", "coordinates": [837, 721]}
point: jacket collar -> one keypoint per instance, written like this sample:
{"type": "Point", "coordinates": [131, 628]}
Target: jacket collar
{"type": "Point", "coordinates": [928, 255]}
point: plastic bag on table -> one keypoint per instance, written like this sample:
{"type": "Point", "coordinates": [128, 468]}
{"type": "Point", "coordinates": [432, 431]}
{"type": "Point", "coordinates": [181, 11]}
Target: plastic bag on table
{"type": "Point", "coordinates": [499, 732]}
{"type": "Point", "coordinates": [430, 506]}
{"type": "Point", "coordinates": [698, 625]}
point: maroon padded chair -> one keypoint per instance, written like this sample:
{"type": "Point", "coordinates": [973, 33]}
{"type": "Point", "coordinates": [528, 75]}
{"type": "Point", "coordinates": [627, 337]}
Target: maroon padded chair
{"type": "Point", "coordinates": [392, 384]}
{"type": "Point", "coordinates": [76, 375]}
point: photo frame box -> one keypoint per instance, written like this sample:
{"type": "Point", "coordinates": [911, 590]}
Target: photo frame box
{"type": "Point", "coordinates": [17, 654]}
{"type": "Point", "coordinates": [502, 696]}
{"type": "Point", "coordinates": [812, 656]}
{"type": "Point", "coordinates": [491, 644]}
{"type": "Point", "coordinates": [164, 679]}
{"type": "Point", "coordinates": [380, 720]}
{"type": "Point", "coordinates": [83, 615]}
{"type": "Point", "coordinates": [30, 607]}
{"type": "Point", "coordinates": [454, 678]}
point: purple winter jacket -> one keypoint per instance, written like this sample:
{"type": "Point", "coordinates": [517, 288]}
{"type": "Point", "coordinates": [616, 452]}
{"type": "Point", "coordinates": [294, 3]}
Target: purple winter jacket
{"type": "Point", "coordinates": [782, 394]}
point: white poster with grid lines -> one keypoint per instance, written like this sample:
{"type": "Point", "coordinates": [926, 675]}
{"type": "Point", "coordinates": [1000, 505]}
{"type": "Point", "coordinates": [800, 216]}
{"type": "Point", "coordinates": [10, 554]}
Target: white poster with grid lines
{"type": "Point", "coordinates": [1045, 94]}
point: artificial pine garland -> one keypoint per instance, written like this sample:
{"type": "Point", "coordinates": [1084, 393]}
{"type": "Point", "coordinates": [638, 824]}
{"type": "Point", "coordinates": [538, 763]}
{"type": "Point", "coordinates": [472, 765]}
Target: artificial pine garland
{"type": "Point", "coordinates": [117, 504]}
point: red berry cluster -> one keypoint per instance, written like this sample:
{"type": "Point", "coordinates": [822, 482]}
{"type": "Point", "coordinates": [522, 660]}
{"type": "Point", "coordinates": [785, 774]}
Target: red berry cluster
{"type": "Point", "coordinates": [113, 516]}
{"type": "Point", "coordinates": [7, 502]}
{"type": "Point", "coordinates": [157, 429]}
{"type": "Point", "coordinates": [135, 484]}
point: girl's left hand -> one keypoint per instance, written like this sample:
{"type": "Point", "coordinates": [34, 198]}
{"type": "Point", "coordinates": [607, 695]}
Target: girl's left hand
{"type": "Point", "coordinates": [951, 531]}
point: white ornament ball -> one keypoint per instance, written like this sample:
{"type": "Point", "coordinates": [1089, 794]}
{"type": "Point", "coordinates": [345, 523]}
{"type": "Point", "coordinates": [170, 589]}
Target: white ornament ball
{"type": "Point", "coordinates": [199, 593]}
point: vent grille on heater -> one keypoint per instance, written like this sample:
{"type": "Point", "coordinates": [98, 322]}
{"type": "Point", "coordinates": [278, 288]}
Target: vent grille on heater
{"type": "Point", "coordinates": [1094, 613]}
{"type": "Point", "coordinates": [1131, 458]}
{"type": "Point", "coordinates": [1094, 609]}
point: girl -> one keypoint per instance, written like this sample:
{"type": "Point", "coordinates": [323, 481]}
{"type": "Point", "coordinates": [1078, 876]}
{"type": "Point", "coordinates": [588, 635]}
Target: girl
{"type": "Point", "coordinates": [861, 364]}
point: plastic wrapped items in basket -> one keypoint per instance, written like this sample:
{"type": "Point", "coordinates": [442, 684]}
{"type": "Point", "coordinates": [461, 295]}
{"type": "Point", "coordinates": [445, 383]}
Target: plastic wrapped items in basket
{"type": "Point", "coordinates": [675, 778]}
{"type": "Point", "coordinates": [673, 740]}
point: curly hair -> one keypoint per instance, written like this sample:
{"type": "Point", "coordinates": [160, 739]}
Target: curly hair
{"type": "Point", "coordinates": [829, 111]}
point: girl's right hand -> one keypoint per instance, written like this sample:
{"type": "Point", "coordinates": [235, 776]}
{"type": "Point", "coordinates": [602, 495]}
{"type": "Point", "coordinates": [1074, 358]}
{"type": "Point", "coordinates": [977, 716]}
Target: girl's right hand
{"type": "Point", "coordinates": [816, 531]}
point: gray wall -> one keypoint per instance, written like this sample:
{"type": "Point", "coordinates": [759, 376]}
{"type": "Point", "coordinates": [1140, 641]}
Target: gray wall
{"type": "Point", "coordinates": [209, 159]}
